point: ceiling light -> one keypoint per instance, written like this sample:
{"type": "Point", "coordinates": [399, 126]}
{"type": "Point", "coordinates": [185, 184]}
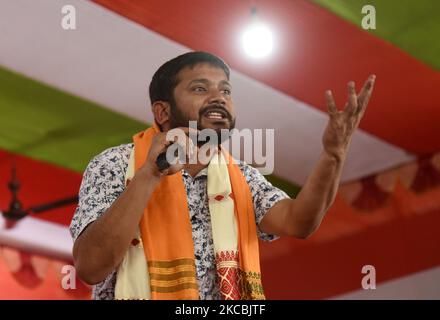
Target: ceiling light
{"type": "Point", "coordinates": [257, 39]}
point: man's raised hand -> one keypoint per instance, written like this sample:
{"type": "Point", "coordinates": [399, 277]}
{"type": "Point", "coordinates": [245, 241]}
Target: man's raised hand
{"type": "Point", "coordinates": [343, 123]}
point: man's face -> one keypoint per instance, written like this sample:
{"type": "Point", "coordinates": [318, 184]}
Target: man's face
{"type": "Point", "coordinates": [203, 94]}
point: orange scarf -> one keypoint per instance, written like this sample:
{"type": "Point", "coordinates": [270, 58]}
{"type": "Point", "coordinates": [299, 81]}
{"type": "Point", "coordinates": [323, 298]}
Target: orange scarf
{"type": "Point", "coordinates": [167, 234]}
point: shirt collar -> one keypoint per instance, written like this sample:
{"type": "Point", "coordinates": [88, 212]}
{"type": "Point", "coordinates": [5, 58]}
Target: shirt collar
{"type": "Point", "coordinates": [202, 173]}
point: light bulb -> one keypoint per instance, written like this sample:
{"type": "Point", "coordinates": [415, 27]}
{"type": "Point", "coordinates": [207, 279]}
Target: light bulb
{"type": "Point", "coordinates": [257, 40]}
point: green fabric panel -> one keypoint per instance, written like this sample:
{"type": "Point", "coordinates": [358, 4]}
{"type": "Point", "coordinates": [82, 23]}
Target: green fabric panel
{"type": "Point", "coordinates": [412, 25]}
{"type": "Point", "coordinates": [47, 124]}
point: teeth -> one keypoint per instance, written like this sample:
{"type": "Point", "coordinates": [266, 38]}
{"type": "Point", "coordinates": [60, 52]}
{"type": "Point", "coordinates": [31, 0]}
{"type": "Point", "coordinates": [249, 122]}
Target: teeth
{"type": "Point", "coordinates": [214, 115]}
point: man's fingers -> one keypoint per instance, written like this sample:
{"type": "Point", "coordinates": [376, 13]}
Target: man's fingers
{"type": "Point", "coordinates": [365, 93]}
{"type": "Point", "coordinates": [191, 149]}
{"type": "Point", "coordinates": [331, 105]}
{"type": "Point", "coordinates": [188, 147]}
{"type": "Point", "coordinates": [352, 98]}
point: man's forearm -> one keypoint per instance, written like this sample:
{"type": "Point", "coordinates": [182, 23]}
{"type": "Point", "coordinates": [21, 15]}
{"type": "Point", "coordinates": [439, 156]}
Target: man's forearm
{"type": "Point", "coordinates": [317, 195]}
{"type": "Point", "coordinates": [102, 246]}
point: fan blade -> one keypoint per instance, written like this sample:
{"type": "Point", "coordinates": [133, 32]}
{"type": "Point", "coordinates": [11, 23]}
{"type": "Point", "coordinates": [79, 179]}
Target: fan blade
{"type": "Point", "coordinates": [53, 205]}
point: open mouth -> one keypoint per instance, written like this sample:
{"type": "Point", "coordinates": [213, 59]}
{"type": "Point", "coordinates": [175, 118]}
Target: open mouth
{"type": "Point", "coordinates": [216, 115]}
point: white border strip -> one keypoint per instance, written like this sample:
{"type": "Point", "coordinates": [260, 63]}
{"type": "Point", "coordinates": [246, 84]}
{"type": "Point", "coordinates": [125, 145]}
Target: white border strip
{"type": "Point", "coordinates": [38, 236]}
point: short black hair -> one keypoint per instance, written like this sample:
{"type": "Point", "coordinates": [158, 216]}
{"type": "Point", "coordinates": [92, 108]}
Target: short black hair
{"type": "Point", "coordinates": [165, 78]}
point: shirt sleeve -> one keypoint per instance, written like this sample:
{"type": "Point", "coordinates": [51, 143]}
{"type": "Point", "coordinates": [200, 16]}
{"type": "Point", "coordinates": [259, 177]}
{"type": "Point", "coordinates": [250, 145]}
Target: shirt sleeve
{"type": "Point", "coordinates": [264, 195]}
{"type": "Point", "coordinates": [102, 183]}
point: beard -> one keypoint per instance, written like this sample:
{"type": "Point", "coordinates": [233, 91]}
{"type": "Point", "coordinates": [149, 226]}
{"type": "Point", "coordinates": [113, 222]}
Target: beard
{"type": "Point", "coordinates": [180, 119]}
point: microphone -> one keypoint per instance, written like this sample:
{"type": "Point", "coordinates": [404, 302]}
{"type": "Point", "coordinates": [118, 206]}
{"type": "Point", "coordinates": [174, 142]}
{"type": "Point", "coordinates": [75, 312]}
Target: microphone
{"type": "Point", "coordinates": [161, 160]}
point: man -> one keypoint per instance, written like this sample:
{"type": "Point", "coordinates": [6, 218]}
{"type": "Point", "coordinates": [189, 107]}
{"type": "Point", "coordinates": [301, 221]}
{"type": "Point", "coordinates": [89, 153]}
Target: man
{"type": "Point", "coordinates": [160, 235]}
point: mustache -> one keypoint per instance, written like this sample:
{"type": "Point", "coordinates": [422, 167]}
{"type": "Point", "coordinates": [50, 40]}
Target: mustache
{"type": "Point", "coordinates": [215, 107]}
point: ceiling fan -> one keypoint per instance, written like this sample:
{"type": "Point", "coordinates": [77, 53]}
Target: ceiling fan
{"type": "Point", "coordinates": [16, 211]}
